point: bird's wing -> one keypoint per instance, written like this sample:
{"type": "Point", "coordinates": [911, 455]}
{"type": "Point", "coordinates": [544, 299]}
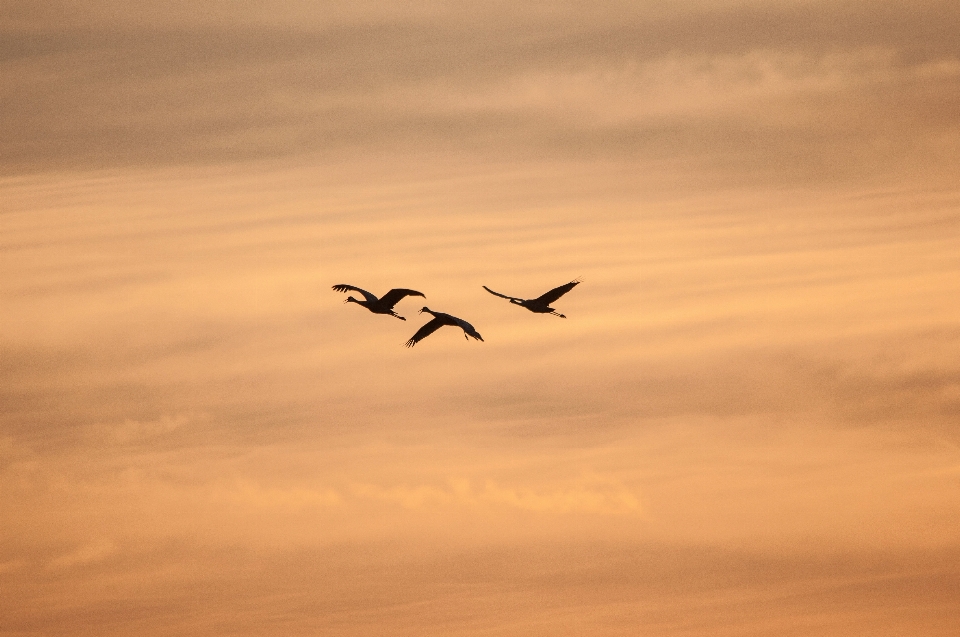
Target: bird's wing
{"type": "Point", "coordinates": [467, 328]}
{"type": "Point", "coordinates": [390, 298]}
{"type": "Point", "coordinates": [555, 293]}
{"type": "Point", "coordinates": [502, 296]}
{"type": "Point", "coordinates": [425, 331]}
{"type": "Point", "coordinates": [343, 287]}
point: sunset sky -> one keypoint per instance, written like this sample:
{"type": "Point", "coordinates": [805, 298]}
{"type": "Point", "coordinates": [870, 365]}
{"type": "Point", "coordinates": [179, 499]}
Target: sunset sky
{"type": "Point", "coordinates": [748, 423]}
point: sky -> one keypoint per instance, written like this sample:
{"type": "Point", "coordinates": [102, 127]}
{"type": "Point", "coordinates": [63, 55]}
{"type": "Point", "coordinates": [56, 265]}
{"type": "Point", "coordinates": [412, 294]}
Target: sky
{"type": "Point", "coordinates": [746, 425]}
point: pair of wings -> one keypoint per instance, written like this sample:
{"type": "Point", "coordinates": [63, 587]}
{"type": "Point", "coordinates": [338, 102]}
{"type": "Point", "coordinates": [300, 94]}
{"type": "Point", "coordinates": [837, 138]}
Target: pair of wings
{"type": "Point", "coordinates": [439, 321]}
{"type": "Point", "coordinates": [387, 301]}
{"type": "Point", "coordinates": [546, 298]}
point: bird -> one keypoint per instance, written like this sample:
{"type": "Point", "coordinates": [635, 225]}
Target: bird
{"type": "Point", "coordinates": [541, 304]}
{"type": "Point", "coordinates": [383, 305]}
{"type": "Point", "coordinates": [439, 320]}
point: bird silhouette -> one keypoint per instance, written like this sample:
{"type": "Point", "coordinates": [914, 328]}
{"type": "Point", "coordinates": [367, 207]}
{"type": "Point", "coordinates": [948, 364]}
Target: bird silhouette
{"type": "Point", "coordinates": [439, 320]}
{"type": "Point", "coordinates": [541, 304]}
{"type": "Point", "coordinates": [383, 305]}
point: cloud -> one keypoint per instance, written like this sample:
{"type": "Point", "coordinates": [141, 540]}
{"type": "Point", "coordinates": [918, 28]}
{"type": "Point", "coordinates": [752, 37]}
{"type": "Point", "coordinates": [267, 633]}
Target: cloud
{"type": "Point", "coordinates": [594, 494]}
{"type": "Point", "coordinates": [187, 406]}
{"type": "Point", "coordinates": [88, 554]}
{"type": "Point", "coordinates": [247, 493]}
{"type": "Point", "coordinates": [789, 93]}
{"type": "Point", "coordinates": [609, 497]}
{"type": "Point", "coordinates": [135, 431]}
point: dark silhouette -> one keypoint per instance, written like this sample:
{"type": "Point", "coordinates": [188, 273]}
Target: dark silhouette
{"type": "Point", "coordinates": [439, 320]}
{"type": "Point", "coordinates": [382, 305]}
{"type": "Point", "coordinates": [541, 304]}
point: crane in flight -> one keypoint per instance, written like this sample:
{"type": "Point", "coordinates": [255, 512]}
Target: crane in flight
{"type": "Point", "coordinates": [439, 320]}
{"type": "Point", "coordinates": [541, 304]}
{"type": "Point", "coordinates": [383, 305]}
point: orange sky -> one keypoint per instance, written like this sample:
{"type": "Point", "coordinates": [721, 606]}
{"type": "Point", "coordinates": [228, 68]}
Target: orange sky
{"type": "Point", "coordinates": [747, 425]}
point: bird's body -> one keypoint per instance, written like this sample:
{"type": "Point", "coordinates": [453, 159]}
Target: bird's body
{"type": "Point", "coordinates": [383, 305]}
{"type": "Point", "coordinates": [439, 320]}
{"type": "Point", "coordinates": [541, 304]}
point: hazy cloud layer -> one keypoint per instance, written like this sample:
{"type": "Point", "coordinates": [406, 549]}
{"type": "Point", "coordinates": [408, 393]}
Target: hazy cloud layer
{"type": "Point", "coordinates": [748, 423]}
{"type": "Point", "coordinates": [782, 92]}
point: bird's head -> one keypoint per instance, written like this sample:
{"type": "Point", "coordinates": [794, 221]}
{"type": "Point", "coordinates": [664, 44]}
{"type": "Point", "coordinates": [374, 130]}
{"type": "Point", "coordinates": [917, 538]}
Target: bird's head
{"type": "Point", "coordinates": [350, 299]}
{"type": "Point", "coordinates": [425, 309]}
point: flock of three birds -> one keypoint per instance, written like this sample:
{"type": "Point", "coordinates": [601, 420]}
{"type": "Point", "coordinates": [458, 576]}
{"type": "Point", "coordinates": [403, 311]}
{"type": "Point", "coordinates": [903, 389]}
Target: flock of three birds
{"type": "Point", "coordinates": [384, 305]}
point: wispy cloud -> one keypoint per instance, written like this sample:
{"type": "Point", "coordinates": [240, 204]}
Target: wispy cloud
{"type": "Point", "coordinates": [89, 554]}
{"type": "Point", "coordinates": [597, 495]}
{"type": "Point", "coordinates": [788, 93]}
{"type": "Point", "coordinates": [746, 424]}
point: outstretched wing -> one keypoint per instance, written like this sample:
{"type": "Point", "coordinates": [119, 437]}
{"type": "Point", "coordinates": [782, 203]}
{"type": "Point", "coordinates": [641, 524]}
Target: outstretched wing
{"type": "Point", "coordinates": [390, 298]}
{"type": "Point", "coordinates": [343, 287]}
{"type": "Point", "coordinates": [502, 296]}
{"type": "Point", "coordinates": [555, 293]}
{"type": "Point", "coordinates": [425, 331]}
{"type": "Point", "coordinates": [468, 329]}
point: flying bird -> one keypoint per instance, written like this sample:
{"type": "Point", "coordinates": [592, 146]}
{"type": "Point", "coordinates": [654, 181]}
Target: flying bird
{"type": "Point", "coordinates": [383, 305]}
{"type": "Point", "coordinates": [541, 304]}
{"type": "Point", "coordinates": [439, 320]}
